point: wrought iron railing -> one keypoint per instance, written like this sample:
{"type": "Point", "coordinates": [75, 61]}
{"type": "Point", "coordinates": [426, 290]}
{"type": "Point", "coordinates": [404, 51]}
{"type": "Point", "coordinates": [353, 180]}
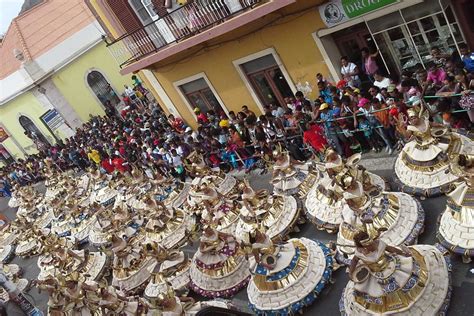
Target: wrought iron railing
{"type": "Point", "coordinates": [188, 20]}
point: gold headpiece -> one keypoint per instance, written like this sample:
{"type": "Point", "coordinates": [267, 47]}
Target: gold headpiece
{"type": "Point", "coordinates": [459, 163]}
{"type": "Point", "coordinates": [278, 150]}
{"type": "Point", "coordinates": [414, 111]}
{"type": "Point", "coordinates": [328, 152]}
{"type": "Point", "coordinates": [166, 292]}
{"type": "Point", "coordinates": [344, 179]}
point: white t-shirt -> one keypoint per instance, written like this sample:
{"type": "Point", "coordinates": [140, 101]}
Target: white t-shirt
{"type": "Point", "coordinates": [177, 161]}
{"type": "Point", "coordinates": [382, 84]}
{"type": "Point", "coordinates": [350, 67]}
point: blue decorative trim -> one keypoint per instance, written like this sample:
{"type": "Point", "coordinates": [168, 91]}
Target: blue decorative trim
{"type": "Point", "coordinates": [398, 185]}
{"type": "Point", "coordinates": [448, 246]}
{"type": "Point", "coordinates": [443, 309]}
{"type": "Point", "coordinates": [308, 299]}
{"type": "Point", "coordinates": [419, 226]}
{"type": "Point", "coordinates": [453, 206]}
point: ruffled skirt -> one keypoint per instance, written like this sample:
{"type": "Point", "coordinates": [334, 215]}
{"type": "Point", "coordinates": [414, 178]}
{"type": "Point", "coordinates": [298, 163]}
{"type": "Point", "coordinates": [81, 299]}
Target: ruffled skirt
{"type": "Point", "coordinates": [401, 215]}
{"type": "Point", "coordinates": [418, 285]}
{"type": "Point", "coordinates": [303, 269]}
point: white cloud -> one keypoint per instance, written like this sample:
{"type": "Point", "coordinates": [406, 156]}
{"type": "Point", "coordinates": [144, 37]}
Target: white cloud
{"type": "Point", "coordinates": [8, 10]}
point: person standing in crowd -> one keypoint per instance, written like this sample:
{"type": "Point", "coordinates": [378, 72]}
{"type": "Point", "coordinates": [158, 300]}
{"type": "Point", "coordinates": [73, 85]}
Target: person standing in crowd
{"type": "Point", "coordinates": [334, 135]}
{"type": "Point", "coordinates": [467, 57]}
{"type": "Point", "coordinates": [369, 63]}
{"type": "Point", "coordinates": [438, 58]}
{"type": "Point", "coordinates": [366, 108]}
{"type": "Point", "coordinates": [380, 81]}
{"type": "Point", "coordinates": [314, 136]}
{"type": "Point", "coordinates": [436, 76]}
{"type": "Point", "coordinates": [466, 88]}
{"type": "Point", "coordinates": [350, 72]}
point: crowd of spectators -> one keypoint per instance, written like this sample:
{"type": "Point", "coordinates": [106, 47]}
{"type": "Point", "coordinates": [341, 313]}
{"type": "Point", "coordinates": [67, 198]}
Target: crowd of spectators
{"type": "Point", "coordinates": [365, 111]}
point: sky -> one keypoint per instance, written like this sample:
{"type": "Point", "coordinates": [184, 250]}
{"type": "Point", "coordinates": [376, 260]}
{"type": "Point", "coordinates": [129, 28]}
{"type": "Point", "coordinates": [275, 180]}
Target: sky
{"type": "Point", "coordinates": [8, 10]}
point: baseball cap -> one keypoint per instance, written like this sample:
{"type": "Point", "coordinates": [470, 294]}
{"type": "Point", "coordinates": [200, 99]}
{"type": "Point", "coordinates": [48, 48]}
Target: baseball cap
{"type": "Point", "coordinates": [363, 102]}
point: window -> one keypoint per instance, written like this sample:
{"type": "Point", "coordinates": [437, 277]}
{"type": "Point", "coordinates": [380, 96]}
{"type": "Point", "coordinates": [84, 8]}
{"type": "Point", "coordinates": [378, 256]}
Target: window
{"type": "Point", "coordinates": [407, 46]}
{"type": "Point", "coordinates": [199, 95]}
{"type": "Point", "coordinates": [267, 80]}
{"type": "Point", "coordinates": [150, 8]}
{"type": "Point", "coordinates": [102, 88]}
{"type": "Point", "coordinates": [31, 131]}
{"type": "Point", "coordinates": [5, 155]}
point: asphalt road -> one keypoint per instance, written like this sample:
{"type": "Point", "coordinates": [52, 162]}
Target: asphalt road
{"type": "Point", "coordinates": [327, 303]}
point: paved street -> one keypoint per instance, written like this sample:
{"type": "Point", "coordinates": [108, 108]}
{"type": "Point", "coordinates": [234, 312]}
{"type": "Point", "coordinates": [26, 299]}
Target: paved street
{"type": "Point", "coordinates": [327, 303]}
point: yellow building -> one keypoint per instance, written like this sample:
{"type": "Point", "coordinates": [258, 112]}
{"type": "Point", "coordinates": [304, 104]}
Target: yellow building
{"type": "Point", "coordinates": [53, 76]}
{"type": "Point", "coordinates": [225, 54]}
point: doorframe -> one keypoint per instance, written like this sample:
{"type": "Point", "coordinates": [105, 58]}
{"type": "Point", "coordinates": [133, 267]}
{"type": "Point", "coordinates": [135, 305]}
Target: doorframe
{"type": "Point", "coordinates": [271, 82]}
{"type": "Point", "coordinates": [38, 125]}
{"type": "Point", "coordinates": [202, 75]}
{"type": "Point", "coordinates": [269, 51]}
{"type": "Point", "coordinates": [119, 96]}
{"type": "Point", "coordinates": [324, 32]}
{"type": "Point", "coordinates": [202, 96]}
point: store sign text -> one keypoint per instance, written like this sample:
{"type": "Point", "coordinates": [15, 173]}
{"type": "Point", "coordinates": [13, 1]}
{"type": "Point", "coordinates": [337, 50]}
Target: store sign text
{"type": "Point", "coordinates": [339, 11]}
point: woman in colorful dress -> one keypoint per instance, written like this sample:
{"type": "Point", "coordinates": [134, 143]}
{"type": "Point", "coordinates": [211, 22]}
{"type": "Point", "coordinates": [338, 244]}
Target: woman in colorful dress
{"type": "Point", "coordinates": [59, 258]}
{"type": "Point", "coordinates": [398, 215]}
{"type": "Point", "coordinates": [291, 177]}
{"type": "Point", "coordinates": [422, 168]}
{"type": "Point", "coordinates": [169, 228]}
{"type": "Point", "coordinates": [324, 202]}
{"type": "Point", "coordinates": [287, 277]}
{"type": "Point", "coordinates": [167, 303]}
{"type": "Point", "coordinates": [174, 270]}
{"type": "Point", "coordinates": [388, 280]}
{"type": "Point", "coordinates": [219, 267]}
{"type": "Point", "coordinates": [278, 214]}
{"type": "Point", "coordinates": [133, 262]}
{"type": "Point", "coordinates": [456, 227]}
{"type": "Point", "coordinates": [215, 202]}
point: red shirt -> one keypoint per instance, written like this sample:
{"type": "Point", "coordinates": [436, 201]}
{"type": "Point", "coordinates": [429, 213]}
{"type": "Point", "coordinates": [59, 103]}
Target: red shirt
{"type": "Point", "coordinates": [107, 165]}
{"type": "Point", "coordinates": [119, 164]}
{"type": "Point", "coordinates": [315, 137]}
{"type": "Point", "coordinates": [177, 124]}
{"type": "Point", "coordinates": [202, 118]}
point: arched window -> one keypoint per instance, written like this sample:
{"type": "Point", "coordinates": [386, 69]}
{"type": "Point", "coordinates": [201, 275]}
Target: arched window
{"type": "Point", "coordinates": [31, 130]}
{"type": "Point", "coordinates": [102, 89]}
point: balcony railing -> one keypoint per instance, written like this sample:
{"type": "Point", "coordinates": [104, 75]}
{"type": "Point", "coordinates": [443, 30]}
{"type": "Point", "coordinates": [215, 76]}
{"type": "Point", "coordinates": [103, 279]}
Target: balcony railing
{"type": "Point", "coordinates": [182, 23]}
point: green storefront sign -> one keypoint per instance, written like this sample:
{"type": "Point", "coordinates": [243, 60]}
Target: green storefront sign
{"type": "Point", "coordinates": [339, 11]}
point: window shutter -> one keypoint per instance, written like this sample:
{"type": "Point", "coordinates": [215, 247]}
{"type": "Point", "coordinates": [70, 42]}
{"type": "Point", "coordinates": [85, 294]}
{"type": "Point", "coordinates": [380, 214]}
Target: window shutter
{"type": "Point", "coordinates": [160, 8]}
{"type": "Point", "coordinates": [125, 15]}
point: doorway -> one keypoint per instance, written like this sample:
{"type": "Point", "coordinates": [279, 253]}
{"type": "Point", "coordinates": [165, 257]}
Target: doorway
{"type": "Point", "coordinates": [267, 80]}
{"type": "Point", "coordinates": [102, 89]}
{"type": "Point", "coordinates": [351, 40]}
{"type": "Point", "coordinates": [32, 131]}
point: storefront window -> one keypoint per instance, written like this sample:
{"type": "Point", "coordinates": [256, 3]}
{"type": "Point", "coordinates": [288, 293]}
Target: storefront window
{"type": "Point", "coordinates": [407, 46]}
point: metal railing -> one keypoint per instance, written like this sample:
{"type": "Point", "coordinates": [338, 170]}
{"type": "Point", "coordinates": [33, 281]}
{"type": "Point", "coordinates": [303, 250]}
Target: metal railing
{"type": "Point", "coordinates": [188, 20]}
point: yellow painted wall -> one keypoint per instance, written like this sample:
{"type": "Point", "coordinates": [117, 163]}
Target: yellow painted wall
{"type": "Point", "coordinates": [25, 104]}
{"type": "Point", "coordinates": [98, 8]}
{"type": "Point", "coordinates": [71, 80]}
{"type": "Point", "coordinates": [291, 39]}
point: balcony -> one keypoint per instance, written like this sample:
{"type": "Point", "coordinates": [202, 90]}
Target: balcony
{"type": "Point", "coordinates": [178, 25]}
